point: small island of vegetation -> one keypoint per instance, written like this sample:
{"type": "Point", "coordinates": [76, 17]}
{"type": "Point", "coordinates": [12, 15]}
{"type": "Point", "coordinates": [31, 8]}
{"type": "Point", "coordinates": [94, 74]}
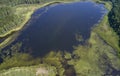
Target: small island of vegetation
{"type": "Point", "coordinates": [99, 56]}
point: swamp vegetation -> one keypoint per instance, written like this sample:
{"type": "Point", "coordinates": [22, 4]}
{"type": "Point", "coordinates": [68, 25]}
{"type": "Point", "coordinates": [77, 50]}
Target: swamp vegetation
{"type": "Point", "coordinates": [98, 56]}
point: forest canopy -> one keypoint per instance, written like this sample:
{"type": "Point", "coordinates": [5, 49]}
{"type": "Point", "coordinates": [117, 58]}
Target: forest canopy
{"type": "Point", "coordinates": [114, 17]}
{"type": "Point", "coordinates": [98, 47]}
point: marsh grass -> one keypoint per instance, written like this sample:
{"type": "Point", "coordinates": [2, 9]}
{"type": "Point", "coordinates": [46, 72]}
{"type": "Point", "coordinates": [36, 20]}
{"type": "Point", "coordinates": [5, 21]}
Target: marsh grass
{"type": "Point", "coordinates": [30, 71]}
{"type": "Point", "coordinates": [91, 59]}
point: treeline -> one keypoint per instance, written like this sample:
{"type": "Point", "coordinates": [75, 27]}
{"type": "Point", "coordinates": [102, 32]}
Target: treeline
{"type": "Point", "coordinates": [16, 2]}
{"type": "Point", "coordinates": [8, 19]}
{"type": "Point", "coordinates": [114, 17]}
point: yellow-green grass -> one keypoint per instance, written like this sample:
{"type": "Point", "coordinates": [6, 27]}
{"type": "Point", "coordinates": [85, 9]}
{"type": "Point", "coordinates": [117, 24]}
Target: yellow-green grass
{"type": "Point", "coordinates": [104, 30]}
{"type": "Point", "coordinates": [51, 63]}
{"type": "Point", "coordinates": [107, 33]}
{"type": "Point", "coordinates": [103, 43]}
{"type": "Point", "coordinates": [27, 10]}
{"type": "Point", "coordinates": [93, 56]}
{"type": "Point", "coordinates": [39, 70]}
{"type": "Point", "coordinates": [8, 40]}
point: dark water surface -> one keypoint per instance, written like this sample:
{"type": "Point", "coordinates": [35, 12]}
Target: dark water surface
{"type": "Point", "coordinates": [55, 27]}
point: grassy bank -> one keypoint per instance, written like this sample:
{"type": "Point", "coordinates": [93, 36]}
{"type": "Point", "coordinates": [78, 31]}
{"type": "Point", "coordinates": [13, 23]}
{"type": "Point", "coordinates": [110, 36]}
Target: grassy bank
{"type": "Point", "coordinates": [28, 11]}
{"type": "Point", "coordinates": [25, 11]}
{"type": "Point", "coordinates": [91, 59]}
{"type": "Point", "coordinates": [100, 51]}
{"type": "Point", "coordinates": [104, 30]}
{"type": "Point", "coordinates": [38, 70]}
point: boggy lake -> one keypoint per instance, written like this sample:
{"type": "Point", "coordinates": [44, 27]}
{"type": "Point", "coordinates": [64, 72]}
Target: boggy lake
{"type": "Point", "coordinates": [58, 27]}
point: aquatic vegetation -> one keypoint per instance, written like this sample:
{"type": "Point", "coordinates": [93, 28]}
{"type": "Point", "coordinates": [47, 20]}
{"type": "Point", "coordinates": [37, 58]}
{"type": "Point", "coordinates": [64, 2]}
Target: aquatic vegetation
{"type": "Point", "coordinates": [98, 56]}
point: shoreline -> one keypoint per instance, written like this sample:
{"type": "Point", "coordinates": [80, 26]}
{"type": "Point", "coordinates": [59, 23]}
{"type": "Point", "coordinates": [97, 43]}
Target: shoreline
{"type": "Point", "coordinates": [8, 40]}
{"type": "Point", "coordinates": [28, 15]}
{"type": "Point", "coordinates": [94, 33]}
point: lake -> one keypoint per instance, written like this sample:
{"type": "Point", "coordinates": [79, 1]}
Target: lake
{"type": "Point", "coordinates": [59, 27]}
